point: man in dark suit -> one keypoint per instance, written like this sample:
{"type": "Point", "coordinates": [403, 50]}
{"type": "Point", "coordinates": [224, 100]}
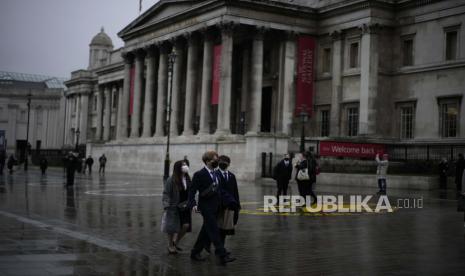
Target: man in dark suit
{"type": "Point", "coordinates": [206, 183]}
{"type": "Point", "coordinates": [282, 174]}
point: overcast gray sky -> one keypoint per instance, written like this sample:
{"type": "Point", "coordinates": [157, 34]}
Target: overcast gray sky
{"type": "Point", "coordinates": [51, 37]}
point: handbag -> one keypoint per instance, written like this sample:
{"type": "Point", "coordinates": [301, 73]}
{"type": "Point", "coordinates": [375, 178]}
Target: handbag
{"type": "Point", "coordinates": [303, 174]}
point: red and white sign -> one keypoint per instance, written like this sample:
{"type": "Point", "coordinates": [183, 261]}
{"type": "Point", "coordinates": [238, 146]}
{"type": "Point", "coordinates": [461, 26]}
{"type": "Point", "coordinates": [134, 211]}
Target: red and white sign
{"type": "Point", "coordinates": [216, 74]}
{"type": "Point", "coordinates": [343, 149]}
{"type": "Point", "coordinates": [305, 75]}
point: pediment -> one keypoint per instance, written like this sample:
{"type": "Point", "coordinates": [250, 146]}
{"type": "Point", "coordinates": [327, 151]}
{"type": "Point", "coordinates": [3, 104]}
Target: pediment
{"type": "Point", "coordinates": [161, 10]}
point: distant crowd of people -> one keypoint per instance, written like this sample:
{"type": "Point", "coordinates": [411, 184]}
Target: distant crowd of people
{"type": "Point", "coordinates": [72, 163]}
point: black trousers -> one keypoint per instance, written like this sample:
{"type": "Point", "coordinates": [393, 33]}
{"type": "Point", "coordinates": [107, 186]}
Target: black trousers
{"type": "Point", "coordinates": [209, 233]}
{"type": "Point", "coordinates": [89, 168]}
{"type": "Point", "coordinates": [101, 169]}
{"type": "Point", "coordinates": [306, 188]}
{"type": "Point", "coordinates": [70, 178]}
{"type": "Point", "coordinates": [282, 187]}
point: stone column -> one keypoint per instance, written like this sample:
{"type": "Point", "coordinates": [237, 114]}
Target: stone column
{"type": "Point", "coordinates": [245, 80]}
{"type": "Point", "coordinates": [224, 106]}
{"type": "Point", "coordinates": [69, 106]}
{"type": "Point", "coordinates": [137, 100]}
{"type": "Point", "coordinates": [289, 70]}
{"type": "Point", "coordinates": [123, 109]}
{"type": "Point", "coordinates": [149, 92]}
{"type": "Point", "coordinates": [368, 79]}
{"type": "Point", "coordinates": [99, 126]}
{"type": "Point", "coordinates": [257, 82]}
{"type": "Point", "coordinates": [191, 84]}
{"type": "Point", "coordinates": [205, 96]}
{"type": "Point", "coordinates": [176, 90]}
{"type": "Point", "coordinates": [107, 114]}
{"type": "Point", "coordinates": [84, 116]}
{"type": "Point", "coordinates": [336, 83]}
{"type": "Point", "coordinates": [161, 90]}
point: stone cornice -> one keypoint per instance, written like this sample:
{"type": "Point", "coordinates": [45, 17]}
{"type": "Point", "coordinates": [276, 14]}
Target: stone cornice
{"type": "Point", "coordinates": [115, 67]}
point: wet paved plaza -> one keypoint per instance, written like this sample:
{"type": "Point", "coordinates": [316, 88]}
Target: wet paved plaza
{"type": "Point", "coordinates": [110, 225]}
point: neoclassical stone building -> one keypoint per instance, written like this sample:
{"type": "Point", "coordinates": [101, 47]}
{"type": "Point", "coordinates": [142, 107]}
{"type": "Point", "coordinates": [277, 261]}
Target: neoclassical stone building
{"type": "Point", "coordinates": [247, 72]}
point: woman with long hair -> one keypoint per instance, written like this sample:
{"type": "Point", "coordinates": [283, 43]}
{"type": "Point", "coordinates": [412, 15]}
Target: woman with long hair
{"type": "Point", "coordinates": [305, 185]}
{"type": "Point", "coordinates": [177, 218]}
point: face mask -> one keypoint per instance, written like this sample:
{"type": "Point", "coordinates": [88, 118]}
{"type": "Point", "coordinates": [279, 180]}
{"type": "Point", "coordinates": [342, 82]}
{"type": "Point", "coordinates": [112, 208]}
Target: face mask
{"type": "Point", "coordinates": [223, 166]}
{"type": "Point", "coordinates": [185, 169]}
{"type": "Point", "coordinates": [214, 164]}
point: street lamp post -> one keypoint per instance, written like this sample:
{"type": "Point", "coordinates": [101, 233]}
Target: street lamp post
{"type": "Point", "coordinates": [171, 61]}
{"type": "Point", "coordinates": [77, 139]}
{"type": "Point", "coordinates": [303, 120]}
{"type": "Point", "coordinates": [27, 129]}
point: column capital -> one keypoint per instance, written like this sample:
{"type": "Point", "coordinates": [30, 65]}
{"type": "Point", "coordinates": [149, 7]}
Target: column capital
{"type": "Point", "coordinates": [164, 47]}
{"type": "Point", "coordinates": [128, 57]}
{"type": "Point", "coordinates": [373, 28]}
{"type": "Point", "coordinates": [176, 41]}
{"type": "Point", "coordinates": [140, 54]}
{"type": "Point", "coordinates": [150, 50]}
{"type": "Point", "coordinates": [291, 35]}
{"type": "Point", "coordinates": [191, 37]}
{"type": "Point", "coordinates": [337, 35]}
{"type": "Point", "coordinates": [226, 27]}
{"type": "Point", "coordinates": [207, 33]}
{"type": "Point", "coordinates": [260, 33]}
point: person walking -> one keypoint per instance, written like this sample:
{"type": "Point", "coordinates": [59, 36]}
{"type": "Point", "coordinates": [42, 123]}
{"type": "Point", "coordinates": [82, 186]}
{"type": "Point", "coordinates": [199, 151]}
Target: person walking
{"type": "Point", "coordinates": [306, 176]}
{"type": "Point", "coordinates": [89, 163]}
{"type": "Point", "coordinates": [381, 171]}
{"type": "Point", "coordinates": [459, 169]}
{"type": "Point", "coordinates": [443, 169]}
{"type": "Point", "coordinates": [177, 218]}
{"type": "Point", "coordinates": [11, 162]}
{"type": "Point", "coordinates": [228, 215]}
{"type": "Point", "coordinates": [102, 161]}
{"type": "Point", "coordinates": [2, 160]}
{"type": "Point", "coordinates": [205, 182]}
{"type": "Point", "coordinates": [72, 164]}
{"type": "Point", "coordinates": [43, 164]}
{"type": "Point", "coordinates": [282, 173]}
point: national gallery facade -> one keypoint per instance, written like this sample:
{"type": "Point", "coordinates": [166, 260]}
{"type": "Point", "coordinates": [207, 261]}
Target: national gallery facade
{"type": "Point", "coordinates": [250, 75]}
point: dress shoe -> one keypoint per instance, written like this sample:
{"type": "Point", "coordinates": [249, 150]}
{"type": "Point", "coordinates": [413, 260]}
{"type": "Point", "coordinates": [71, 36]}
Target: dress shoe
{"type": "Point", "coordinates": [197, 257]}
{"type": "Point", "coordinates": [226, 259]}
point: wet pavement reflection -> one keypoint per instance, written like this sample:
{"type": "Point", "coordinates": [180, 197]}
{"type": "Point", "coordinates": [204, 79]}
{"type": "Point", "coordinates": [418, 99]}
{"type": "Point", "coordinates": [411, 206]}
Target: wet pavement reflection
{"type": "Point", "coordinates": [110, 225]}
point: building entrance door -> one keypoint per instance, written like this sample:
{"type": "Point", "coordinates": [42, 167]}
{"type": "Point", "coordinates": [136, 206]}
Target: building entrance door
{"type": "Point", "coordinates": [267, 93]}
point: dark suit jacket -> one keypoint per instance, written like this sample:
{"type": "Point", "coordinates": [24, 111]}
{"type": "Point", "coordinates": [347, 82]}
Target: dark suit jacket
{"type": "Point", "coordinates": [281, 172]}
{"type": "Point", "coordinates": [200, 182]}
{"type": "Point", "coordinates": [229, 193]}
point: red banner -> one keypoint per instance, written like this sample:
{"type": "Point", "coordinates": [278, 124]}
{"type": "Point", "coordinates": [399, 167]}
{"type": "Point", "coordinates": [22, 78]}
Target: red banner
{"type": "Point", "coordinates": [343, 149]}
{"type": "Point", "coordinates": [216, 74]}
{"type": "Point", "coordinates": [305, 72]}
{"type": "Point", "coordinates": [132, 74]}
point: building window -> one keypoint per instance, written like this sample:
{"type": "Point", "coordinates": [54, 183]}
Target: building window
{"type": "Point", "coordinates": [352, 121]}
{"type": "Point", "coordinates": [407, 117]}
{"type": "Point", "coordinates": [353, 55]}
{"type": "Point", "coordinates": [407, 52]}
{"type": "Point", "coordinates": [448, 116]}
{"type": "Point", "coordinates": [324, 123]}
{"type": "Point", "coordinates": [451, 45]}
{"type": "Point", "coordinates": [326, 68]}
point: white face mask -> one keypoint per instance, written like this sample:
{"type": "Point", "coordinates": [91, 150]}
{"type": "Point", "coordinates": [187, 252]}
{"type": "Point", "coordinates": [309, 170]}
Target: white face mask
{"type": "Point", "coordinates": [185, 169]}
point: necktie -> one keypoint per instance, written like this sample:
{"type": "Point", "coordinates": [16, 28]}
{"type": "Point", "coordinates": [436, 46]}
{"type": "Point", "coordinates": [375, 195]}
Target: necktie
{"type": "Point", "coordinates": [225, 174]}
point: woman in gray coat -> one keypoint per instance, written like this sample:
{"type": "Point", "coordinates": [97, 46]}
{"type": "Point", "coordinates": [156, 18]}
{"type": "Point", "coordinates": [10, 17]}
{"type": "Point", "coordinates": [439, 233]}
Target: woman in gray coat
{"type": "Point", "coordinates": [176, 221]}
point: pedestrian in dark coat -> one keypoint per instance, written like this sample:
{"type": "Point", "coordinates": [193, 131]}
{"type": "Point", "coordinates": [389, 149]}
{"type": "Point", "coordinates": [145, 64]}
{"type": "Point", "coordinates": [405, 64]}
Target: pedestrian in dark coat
{"type": "Point", "coordinates": [43, 164]}
{"type": "Point", "coordinates": [103, 162]}
{"type": "Point", "coordinates": [205, 182]}
{"type": "Point", "coordinates": [89, 163]}
{"type": "Point", "coordinates": [306, 186]}
{"type": "Point", "coordinates": [459, 168]}
{"type": "Point", "coordinates": [230, 204]}
{"type": "Point", "coordinates": [443, 169]}
{"type": "Point", "coordinates": [177, 219]}
{"type": "Point", "coordinates": [72, 163]}
{"type": "Point", "coordinates": [282, 173]}
{"type": "Point", "coordinates": [11, 162]}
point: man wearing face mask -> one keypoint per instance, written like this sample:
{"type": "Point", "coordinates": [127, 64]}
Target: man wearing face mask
{"type": "Point", "coordinates": [206, 183]}
{"type": "Point", "coordinates": [282, 173]}
{"type": "Point", "coordinates": [230, 203]}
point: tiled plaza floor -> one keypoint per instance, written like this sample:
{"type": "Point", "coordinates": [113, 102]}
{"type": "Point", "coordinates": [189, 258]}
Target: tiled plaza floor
{"type": "Point", "coordinates": [110, 225]}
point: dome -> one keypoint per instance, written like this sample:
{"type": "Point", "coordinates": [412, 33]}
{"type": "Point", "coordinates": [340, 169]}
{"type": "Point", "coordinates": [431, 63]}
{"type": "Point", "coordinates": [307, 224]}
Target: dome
{"type": "Point", "coordinates": [102, 39]}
